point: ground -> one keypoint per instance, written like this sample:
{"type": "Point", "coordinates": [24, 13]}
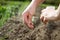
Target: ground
{"type": "Point", "coordinates": [15, 29]}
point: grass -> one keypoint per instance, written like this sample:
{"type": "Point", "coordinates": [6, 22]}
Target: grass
{"type": "Point", "coordinates": [45, 5]}
{"type": "Point", "coordinates": [21, 9]}
{"type": "Point", "coordinates": [23, 5]}
{"type": "Point", "coordinates": [11, 6]}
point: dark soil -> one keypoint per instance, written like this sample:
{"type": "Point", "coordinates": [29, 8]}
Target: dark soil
{"type": "Point", "coordinates": [15, 29]}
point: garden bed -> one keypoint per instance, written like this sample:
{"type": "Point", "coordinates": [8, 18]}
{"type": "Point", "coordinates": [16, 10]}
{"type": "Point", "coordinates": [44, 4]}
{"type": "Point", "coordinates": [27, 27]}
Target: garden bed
{"type": "Point", "coordinates": [15, 29]}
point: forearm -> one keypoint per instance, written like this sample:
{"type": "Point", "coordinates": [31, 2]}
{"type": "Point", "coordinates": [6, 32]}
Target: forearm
{"type": "Point", "coordinates": [37, 2]}
{"type": "Point", "coordinates": [32, 6]}
{"type": "Point", "coordinates": [58, 11]}
{"type": "Point", "coordinates": [58, 8]}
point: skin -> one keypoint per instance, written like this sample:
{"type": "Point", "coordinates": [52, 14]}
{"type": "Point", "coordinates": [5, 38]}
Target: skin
{"type": "Point", "coordinates": [29, 12]}
{"type": "Point", "coordinates": [55, 15]}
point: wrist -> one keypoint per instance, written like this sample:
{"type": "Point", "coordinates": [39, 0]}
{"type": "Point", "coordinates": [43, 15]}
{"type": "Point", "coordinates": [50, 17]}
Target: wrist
{"type": "Point", "coordinates": [37, 2]}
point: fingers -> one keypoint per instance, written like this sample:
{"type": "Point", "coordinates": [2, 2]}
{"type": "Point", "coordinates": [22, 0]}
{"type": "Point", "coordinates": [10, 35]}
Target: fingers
{"type": "Point", "coordinates": [30, 25]}
{"type": "Point", "coordinates": [28, 20]}
{"type": "Point", "coordinates": [44, 19]}
{"type": "Point", "coordinates": [25, 19]}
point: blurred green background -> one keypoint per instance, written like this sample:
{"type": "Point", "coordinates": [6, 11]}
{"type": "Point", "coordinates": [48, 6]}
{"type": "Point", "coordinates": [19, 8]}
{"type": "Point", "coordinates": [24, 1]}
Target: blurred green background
{"type": "Point", "coordinates": [9, 8]}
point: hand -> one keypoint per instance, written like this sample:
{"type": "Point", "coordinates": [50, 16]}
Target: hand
{"type": "Point", "coordinates": [30, 11]}
{"type": "Point", "coordinates": [27, 18]}
{"type": "Point", "coordinates": [49, 14]}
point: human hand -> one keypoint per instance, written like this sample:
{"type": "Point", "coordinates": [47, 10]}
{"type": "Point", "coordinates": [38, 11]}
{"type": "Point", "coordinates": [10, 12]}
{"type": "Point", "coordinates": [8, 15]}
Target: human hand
{"type": "Point", "coordinates": [28, 14]}
{"type": "Point", "coordinates": [30, 11]}
{"type": "Point", "coordinates": [49, 14]}
{"type": "Point", "coordinates": [27, 18]}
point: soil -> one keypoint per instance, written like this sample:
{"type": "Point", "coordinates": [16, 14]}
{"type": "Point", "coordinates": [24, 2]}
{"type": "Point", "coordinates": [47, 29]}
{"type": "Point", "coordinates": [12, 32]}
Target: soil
{"type": "Point", "coordinates": [15, 29]}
